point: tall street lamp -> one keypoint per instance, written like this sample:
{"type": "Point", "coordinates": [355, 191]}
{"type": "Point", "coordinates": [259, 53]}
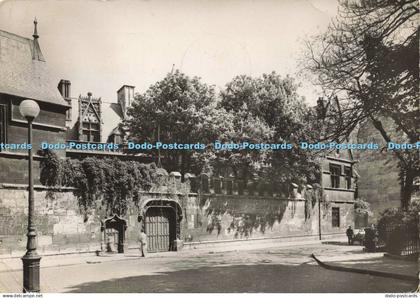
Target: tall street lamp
{"type": "Point", "coordinates": [159, 113]}
{"type": "Point", "coordinates": [30, 110]}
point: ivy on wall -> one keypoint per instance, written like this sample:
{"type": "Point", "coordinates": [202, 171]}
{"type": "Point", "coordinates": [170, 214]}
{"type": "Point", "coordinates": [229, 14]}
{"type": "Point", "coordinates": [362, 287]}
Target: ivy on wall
{"type": "Point", "coordinates": [109, 182]}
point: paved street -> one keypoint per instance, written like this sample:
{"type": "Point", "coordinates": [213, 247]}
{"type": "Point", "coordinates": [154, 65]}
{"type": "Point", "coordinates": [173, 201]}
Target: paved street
{"type": "Point", "coordinates": [285, 269]}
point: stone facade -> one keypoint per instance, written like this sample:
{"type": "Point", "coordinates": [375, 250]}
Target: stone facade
{"type": "Point", "coordinates": [203, 216]}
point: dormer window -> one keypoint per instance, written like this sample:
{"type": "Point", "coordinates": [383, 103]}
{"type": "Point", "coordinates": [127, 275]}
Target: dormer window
{"type": "Point", "coordinates": [90, 119]}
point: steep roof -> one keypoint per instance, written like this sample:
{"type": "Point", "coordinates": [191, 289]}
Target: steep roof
{"type": "Point", "coordinates": [23, 71]}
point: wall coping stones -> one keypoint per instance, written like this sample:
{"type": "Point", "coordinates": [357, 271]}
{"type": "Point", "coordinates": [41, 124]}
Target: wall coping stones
{"type": "Point", "coordinates": [36, 187]}
{"type": "Point", "coordinates": [19, 155]}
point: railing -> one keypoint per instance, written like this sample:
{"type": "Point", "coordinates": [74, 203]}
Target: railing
{"type": "Point", "coordinates": [401, 239]}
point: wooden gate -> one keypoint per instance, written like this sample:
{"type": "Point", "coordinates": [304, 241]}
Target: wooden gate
{"type": "Point", "coordinates": [160, 228]}
{"type": "Point", "coordinates": [111, 240]}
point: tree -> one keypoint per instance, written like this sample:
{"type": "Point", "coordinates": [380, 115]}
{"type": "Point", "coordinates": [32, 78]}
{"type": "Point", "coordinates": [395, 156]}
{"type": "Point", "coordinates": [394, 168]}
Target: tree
{"type": "Point", "coordinates": [254, 110]}
{"type": "Point", "coordinates": [272, 102]}
{"type": "Point", "coordinates": [178, 109]}
{"type": "Point", "coordinates": [368, 62]}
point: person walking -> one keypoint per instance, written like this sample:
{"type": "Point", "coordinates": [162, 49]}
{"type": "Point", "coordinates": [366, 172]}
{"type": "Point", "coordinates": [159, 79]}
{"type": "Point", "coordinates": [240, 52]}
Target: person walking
{"type": "Point", "coordinates": [143, 243]}
{"type": "Point", "coordinates": [350, 234]}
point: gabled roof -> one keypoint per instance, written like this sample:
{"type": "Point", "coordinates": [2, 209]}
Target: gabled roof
{"type": "Point", "coordinates": [116, 131]}
{"type": "Point", "coordinates": [23, 71]}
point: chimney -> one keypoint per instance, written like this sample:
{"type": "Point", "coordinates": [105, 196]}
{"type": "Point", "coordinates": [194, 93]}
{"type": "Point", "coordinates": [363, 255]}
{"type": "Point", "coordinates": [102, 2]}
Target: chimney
{"type": "Point", "coordinates": [64, 89]}
{"type": "Point", "coordinates": [125, 97]}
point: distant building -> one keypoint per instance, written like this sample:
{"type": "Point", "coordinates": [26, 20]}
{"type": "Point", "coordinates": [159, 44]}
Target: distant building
{"type": "Point", "coordinates": [339, 182]}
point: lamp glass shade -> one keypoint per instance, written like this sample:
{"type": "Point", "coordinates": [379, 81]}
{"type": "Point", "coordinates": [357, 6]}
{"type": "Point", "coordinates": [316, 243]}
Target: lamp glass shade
{"type": "Point", "coordinates": [29, 108]}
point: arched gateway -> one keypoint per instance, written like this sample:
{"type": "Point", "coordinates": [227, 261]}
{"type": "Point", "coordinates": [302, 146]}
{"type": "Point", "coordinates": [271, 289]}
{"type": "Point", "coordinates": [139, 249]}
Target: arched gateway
{"type": "Point", "coordinates": [114, 234]}
{"type": "Point", "coordinates": [161, 223]}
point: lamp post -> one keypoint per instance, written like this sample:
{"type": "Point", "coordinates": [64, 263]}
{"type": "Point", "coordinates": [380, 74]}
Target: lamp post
{"type": "Point", "coordinates": [321, 197]}
{"type": "Point", "coordinates": [29, 109]}
{"type": "Point", "coordinates": [158, 113]}
{"type": "Point", "coordinates": [159, 164]}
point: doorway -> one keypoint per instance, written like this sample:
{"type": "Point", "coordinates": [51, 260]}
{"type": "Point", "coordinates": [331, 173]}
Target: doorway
{"type": "Point", "coordinates": [160, 226]}
{"type": "Point", "coordinates": [114, 234]}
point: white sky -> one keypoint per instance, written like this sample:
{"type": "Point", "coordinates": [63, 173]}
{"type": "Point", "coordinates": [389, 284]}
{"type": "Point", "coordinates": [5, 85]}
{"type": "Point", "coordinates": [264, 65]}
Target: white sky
{"type": "Point", "coordinates": [101, 45]}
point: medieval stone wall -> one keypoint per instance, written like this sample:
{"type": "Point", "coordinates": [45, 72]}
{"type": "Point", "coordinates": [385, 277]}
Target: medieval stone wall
{"type": "Point", "coordinates": [221, 217]}
{"type": "Point", "coordinates": [62, 227]}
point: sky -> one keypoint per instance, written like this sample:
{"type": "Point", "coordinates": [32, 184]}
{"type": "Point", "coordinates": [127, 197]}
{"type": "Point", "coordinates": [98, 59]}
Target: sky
{"type": "Point", "coordinates": [101, 45]}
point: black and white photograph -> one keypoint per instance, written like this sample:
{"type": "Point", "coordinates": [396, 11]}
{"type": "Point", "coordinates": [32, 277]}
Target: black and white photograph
{"type": "Point", "coordinates": [223, 147]}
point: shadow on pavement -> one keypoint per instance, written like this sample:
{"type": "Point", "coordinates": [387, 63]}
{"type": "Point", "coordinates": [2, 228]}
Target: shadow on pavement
{"type": "Point", "coordinates": [382, 264]}
{"type": "Point", "coordinates": [341, 243]}
{"type": "Point", "coordinates": [266, 278]}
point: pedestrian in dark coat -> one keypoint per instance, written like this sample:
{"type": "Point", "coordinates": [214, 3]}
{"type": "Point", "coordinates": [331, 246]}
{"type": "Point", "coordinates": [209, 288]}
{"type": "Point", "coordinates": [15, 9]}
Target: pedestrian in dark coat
{"type": "Point", "coordinates": [350, 233]}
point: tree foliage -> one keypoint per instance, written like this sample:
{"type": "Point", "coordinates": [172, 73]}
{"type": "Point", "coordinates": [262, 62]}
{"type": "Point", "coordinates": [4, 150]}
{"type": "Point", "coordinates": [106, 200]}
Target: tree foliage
{"type": "Point", "coordinates": [177, 109]}
{"type": "Point", "coordinates": [271, 103]}
{"type": "Point", "coordinates": [255, 110]}
{"type": "Point", "coordinates": [367, 61]}
{"type": "Point", "coordinates": [362, 207]}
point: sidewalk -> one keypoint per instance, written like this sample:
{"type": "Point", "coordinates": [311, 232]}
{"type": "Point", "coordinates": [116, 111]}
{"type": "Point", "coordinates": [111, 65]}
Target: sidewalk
{"type": "Point", "coordinates": [353, 259]}
{"type": "Point", "coordinates": [333, 253]}
{"type": "Point", "coordinates": [15, 264]}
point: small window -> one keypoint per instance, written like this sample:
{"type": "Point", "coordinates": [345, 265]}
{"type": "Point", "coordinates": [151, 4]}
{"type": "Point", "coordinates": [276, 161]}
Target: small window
{"type": "Point", "coordinates": [3, 124]}
{"type": "Point", "coordinates": [335, 172]}
{"type": "Point", "coordinates": [348, 175]}
{"type": "Point", "coordinates": [118, 139]}
{"type": "Point", "coordinates": [335, 217]}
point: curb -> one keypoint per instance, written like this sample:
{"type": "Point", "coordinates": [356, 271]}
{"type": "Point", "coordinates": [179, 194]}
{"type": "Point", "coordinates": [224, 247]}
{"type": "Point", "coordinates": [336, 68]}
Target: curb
{"type": "Point", "coordinates": [365, 271]}
{"type": "Point", "coordinates": [206, 244]}
{"type": "Point", "coordinates": [232, 244]}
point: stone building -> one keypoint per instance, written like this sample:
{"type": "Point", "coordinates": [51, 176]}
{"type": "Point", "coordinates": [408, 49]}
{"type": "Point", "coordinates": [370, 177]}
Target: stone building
{"type": "Point", "coordinates": [339, 183]}
{"type": "Point", "coordinates": [24, 75]}
{"type": "Point", "coordinates": [191, 211]}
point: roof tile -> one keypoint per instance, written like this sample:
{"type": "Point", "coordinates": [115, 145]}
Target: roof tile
{"type": "Point", "coordinates": [23, 76]}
